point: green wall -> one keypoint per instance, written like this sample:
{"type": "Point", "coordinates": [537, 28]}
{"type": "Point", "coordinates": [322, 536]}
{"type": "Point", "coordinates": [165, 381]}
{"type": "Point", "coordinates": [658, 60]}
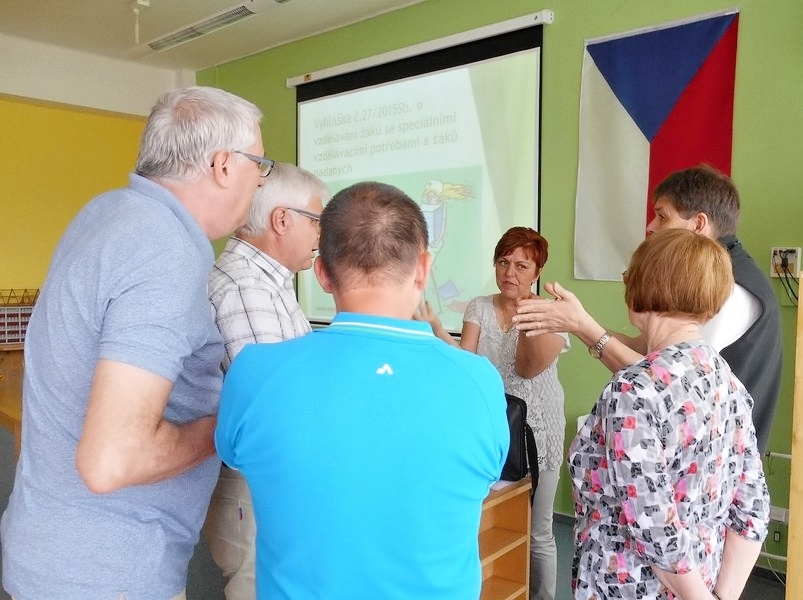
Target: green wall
{"type": "Point", "coordinates": [768, 128]}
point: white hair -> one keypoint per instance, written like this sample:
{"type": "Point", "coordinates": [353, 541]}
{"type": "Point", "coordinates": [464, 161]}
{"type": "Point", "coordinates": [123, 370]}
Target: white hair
{"type": "Point", "coordinates": [287, 186]}
{"type": "Point", "coordinates": [188, 126]}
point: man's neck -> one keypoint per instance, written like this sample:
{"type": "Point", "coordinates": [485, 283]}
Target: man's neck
{"type": "Point", "coordinates": [393, 302]}
{"type": "Point", "coordinates": [195, 196]}
{"type": "Point", "coordinates": [265, 244]}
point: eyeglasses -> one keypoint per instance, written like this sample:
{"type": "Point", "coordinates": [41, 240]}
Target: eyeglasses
{"type": "Point", "coordinates": [310, 215]}
{"type": "Point", "coordinates": [265, 164]}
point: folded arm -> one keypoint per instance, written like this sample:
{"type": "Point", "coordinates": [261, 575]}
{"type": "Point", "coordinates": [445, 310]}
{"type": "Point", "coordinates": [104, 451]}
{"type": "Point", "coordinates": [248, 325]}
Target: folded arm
{"type": "Point", "coordinates": [747, 524]}
{"type": "Point", "coordinates": [536, 353]}
{"type": "Point", "coordinates": [126, 440]}
{"type": "Point", "coordinates": [686, 586]}
{"type": "Point", "coordinates": [739, 556]}
{"type": "Point", "coordinates": [738, 559]}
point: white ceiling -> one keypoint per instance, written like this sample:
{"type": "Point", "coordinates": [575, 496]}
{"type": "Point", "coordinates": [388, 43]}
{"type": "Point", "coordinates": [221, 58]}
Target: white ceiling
{"type": "Point", "coordinates": [107, 27]}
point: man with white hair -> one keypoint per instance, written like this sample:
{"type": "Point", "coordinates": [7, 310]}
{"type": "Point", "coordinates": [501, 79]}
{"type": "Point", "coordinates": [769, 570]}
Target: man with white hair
{"type": "Point", "coordinates": [251, 289]}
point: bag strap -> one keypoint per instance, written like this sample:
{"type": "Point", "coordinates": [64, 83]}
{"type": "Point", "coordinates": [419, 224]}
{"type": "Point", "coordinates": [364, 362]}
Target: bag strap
{"type": "Point", "coordinates": [532, 457]}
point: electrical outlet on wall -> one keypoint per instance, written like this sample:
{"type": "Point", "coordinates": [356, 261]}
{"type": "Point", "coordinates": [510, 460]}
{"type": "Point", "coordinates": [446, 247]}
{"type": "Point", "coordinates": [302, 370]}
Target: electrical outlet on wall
{"type": "Point", "coordinates": [784, 261]}
{"type": "Point", "coordinates": [779, 514]}
{"type": "Point", "coordinates": [777, 541]}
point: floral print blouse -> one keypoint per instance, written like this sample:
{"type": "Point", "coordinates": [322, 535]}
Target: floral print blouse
{"type": "Point", "coordinates": [664, 464]}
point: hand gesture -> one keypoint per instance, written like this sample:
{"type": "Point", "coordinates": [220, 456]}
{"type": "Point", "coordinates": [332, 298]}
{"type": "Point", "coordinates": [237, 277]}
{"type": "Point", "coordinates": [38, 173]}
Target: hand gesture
{"type": "Point", "coordinates": [541, 315]}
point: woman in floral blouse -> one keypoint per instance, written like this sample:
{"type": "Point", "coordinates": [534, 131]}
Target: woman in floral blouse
{"type": "Point", "coordinates": [668, 484]}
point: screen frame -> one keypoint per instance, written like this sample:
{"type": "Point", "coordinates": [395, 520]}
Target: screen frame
{"type": "Point", "coordinates": [499, 44]}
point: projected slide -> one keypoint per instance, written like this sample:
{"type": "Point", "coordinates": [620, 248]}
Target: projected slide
{"type": "Point", "coordinates": [462, 142]}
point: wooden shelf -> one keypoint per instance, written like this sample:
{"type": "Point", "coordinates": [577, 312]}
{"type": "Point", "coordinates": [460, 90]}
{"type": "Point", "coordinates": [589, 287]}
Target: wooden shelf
{"type": "Point", "coordinates": [496, 588]}
{"type": "Point", "coordinates": [498, 542]}
{"type": "Point", "coordinates": [505, 542]}
{"type": "Point", "coordinates": [11, 392]}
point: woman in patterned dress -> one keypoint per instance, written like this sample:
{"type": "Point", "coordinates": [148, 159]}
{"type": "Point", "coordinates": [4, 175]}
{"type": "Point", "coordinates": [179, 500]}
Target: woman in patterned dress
{"type": "Point", "coordinates": [668, 485]}
{"type": "Point", "coordinates": [528, 366]}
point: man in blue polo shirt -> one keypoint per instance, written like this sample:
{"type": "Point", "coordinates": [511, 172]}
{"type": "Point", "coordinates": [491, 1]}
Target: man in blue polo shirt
{"type": "Point", "coordinates": [122, 366]}
{"type": "Point", "coordinates": [368, 446]}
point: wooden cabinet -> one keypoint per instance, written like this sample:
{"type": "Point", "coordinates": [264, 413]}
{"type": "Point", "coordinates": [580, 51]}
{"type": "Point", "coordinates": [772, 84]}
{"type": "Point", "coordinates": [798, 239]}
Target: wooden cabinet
{"type": "Point", "coordinates": [505, 542]}
{"type": "Point", "coordinates": [11, 390]}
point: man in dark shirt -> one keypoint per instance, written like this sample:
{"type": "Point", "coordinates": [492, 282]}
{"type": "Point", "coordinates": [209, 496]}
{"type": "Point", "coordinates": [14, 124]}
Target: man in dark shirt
{"type": "Point", "coordinates": [746, 332]}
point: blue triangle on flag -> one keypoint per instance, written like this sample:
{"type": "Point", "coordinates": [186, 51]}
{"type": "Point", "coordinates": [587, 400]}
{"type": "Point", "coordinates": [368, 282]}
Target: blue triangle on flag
{"type": "Point", "coordinates": [649, 71]}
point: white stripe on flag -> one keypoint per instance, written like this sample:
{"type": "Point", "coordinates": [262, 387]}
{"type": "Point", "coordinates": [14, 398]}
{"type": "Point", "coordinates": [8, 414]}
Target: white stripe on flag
{"type": "Point", "coordinates": [612, 180]}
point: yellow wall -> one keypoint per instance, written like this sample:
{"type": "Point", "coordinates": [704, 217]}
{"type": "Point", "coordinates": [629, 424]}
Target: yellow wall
{"type": "Point", "coordinates": [53, 160]}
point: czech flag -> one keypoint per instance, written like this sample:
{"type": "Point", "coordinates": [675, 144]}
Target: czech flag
{"type": "Point", "coordinates": [651, 102]}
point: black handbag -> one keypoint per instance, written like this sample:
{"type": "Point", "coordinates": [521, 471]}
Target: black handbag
{"type": "Point", "coordinates": [522, 458]}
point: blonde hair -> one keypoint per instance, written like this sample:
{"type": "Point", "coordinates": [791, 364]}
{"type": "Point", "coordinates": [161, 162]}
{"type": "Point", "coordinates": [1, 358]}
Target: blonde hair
{"type": "Point", "coordinates": [678, 272]}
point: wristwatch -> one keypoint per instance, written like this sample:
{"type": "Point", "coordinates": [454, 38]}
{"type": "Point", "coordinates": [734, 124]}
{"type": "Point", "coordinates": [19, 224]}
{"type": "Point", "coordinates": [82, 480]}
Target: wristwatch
{"type": "Point", "coordinates": [596, 350]}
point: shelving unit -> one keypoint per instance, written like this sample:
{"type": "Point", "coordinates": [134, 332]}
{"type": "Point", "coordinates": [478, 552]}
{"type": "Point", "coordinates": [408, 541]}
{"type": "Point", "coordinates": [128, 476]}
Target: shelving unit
{"type": "Point", "coordinates": [16, 306]}
{"type": "Point", "coordinates": [11, 390]}
{"type": "Point", "coordinates": [505, 542]}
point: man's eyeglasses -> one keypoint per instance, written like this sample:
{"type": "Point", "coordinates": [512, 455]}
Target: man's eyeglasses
{"type": "Point", "coordinates": [310, 215]}
{"type": "Point", "coordinates": [265, 164]}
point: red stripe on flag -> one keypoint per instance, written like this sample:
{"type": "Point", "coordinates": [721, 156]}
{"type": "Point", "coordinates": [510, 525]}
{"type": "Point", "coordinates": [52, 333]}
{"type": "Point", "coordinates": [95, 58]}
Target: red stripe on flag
{"type": "Point", "coordinates": [700, 127]}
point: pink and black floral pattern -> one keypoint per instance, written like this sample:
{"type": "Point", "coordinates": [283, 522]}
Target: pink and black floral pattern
{"type": "Point", "coordinates": [665, 463]}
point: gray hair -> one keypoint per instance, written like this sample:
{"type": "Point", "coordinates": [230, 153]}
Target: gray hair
{"type": "Point", "coordinates": [288, 186]}
{"type": "Point", "coordinates": [188, 126]}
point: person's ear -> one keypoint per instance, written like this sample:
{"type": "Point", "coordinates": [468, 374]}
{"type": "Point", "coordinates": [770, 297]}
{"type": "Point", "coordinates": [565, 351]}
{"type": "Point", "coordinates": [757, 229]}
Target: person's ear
{"type": "Point", "coordinates": [220, 166]}
{"type": "Point", "coordinates": [422, 270]}
{"type": "Point", "coordinates": [279, 221]}
{"type": "Point", "coordinates": [701, 224]}
{"type": "Point", "coordinates": [322, 276]}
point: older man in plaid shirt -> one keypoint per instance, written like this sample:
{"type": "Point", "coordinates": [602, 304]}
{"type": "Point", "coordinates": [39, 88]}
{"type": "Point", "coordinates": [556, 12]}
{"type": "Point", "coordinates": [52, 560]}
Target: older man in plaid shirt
{"type": "Point", "coordinates": [251, 290]}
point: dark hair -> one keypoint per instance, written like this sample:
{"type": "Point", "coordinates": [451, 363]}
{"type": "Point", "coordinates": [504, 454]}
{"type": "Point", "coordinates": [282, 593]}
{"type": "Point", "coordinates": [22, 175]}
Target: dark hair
{"type": "Point", "coordinates": [532, 242]}
{"type": "Point", "coordinates": [371, 232]}
{"type": "Point", "coordinates": [676, 271]}
{"type": "Point", "coordinates": [703, 189]}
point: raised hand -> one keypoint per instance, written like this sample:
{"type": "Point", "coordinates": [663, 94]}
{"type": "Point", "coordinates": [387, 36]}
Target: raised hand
{"type": "Point", "coordinates": [541, 315]}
